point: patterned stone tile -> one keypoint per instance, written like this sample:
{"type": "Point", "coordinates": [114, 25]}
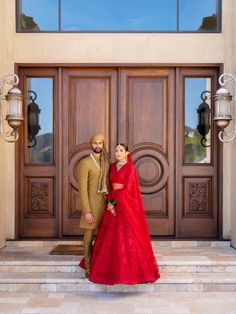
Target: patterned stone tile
{"type": "Point", "coordinates": [120, 303]}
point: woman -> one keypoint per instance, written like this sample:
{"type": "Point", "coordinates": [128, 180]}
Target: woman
{"type": "Point", "coordinates": [122, 253]}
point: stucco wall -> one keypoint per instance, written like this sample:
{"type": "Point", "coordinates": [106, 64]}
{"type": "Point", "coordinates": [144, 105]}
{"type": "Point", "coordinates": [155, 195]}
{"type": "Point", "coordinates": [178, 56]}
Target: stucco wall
{"type": "Point", "coordinates": [2, 152]}
{"type": "Point", "coordinates": [233, 151]}
{"type": "Point", "coordinates": [112, 48]}
{"type": "Point", "coordinates": [7, 181]}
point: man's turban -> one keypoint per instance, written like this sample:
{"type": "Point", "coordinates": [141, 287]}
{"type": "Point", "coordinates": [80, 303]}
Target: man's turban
{"type": "Point", "coordinates": [97, 137]}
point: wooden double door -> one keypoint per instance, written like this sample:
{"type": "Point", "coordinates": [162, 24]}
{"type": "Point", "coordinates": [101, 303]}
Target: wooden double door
{"type": "Point", "coordinates": [137, 106]}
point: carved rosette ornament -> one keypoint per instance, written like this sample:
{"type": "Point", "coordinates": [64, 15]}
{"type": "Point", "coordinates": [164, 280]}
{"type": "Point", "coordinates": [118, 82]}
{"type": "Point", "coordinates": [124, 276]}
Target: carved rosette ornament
{"type": "Point", "coordinates": [39, 197]}
{"type": "Point", "coordinates": [198, 197]}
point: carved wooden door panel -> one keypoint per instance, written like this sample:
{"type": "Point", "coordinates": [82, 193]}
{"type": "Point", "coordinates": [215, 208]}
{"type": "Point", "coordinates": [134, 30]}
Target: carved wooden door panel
{"type": "Point", "coordinates": [146, 123]}
{"type": "Point", "coordinates": [89, 107]}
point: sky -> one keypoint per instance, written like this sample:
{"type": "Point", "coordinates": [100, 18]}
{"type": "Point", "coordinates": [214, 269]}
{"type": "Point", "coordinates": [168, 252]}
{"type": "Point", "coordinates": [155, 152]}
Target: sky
{"type": "Point", "coordinates": [118, 14]}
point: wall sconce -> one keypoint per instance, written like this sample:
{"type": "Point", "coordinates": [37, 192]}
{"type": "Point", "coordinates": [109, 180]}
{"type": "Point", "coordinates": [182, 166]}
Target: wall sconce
{"type": "Point", "coordinates": [14, 113]}
{"type": "Point", "coordinates": [204, 118]}
{"type": "Point", "coordinates": [33, 119]}
{"type": "Point", "coordinates": [223, 109]}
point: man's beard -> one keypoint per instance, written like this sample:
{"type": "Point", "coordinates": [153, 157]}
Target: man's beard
{"type": "Point", "coordinates": [97, 150]}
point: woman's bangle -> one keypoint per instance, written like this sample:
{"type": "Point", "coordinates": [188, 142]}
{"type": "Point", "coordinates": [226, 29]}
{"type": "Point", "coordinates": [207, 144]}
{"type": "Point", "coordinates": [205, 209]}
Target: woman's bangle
{"type": "Point", "coordinates": [112, 202]}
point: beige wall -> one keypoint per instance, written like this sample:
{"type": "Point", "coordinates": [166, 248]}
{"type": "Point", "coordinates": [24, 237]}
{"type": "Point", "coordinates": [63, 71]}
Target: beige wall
{"type": "Point", "coordinates": [2, 151]}
{"type": "Point", "coordinates": [6, 150]}
{"type": "Point", "coordinates": [233, 151]}
{"type": "Point", "coordinates": [114, 48]}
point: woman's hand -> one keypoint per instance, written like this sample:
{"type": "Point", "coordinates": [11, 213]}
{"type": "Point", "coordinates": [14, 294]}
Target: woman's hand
{"type": "Point", "coordinates": [111, 209]}
{"type": "Point", "coordinates": [113, 212]}
{"type": "Point", "coordinates": [110, 206]}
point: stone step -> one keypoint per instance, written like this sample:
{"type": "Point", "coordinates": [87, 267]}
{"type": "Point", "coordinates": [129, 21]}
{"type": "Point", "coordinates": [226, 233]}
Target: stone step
{"type": "Point", "coordinates": [172, 256]}
{"type": "Point", "coordinates": [71, 282]}
{"type": "Point", "coordinates": [155, 243]}
{"type": "Point", "coordinates": [195, 265]}
{"type": "Point", "coordinates": [184, 266]}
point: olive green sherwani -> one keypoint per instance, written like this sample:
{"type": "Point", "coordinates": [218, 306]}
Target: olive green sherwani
{"type": "Point", "coordinates": [91, 202]}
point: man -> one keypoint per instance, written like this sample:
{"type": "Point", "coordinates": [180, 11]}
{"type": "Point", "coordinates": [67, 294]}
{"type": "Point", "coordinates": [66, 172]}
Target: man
{"type": "Point", "coordinates": [92, 174]}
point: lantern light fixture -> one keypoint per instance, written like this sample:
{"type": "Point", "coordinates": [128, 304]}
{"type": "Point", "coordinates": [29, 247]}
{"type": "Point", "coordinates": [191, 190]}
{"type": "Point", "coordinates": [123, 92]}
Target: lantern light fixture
{"type": "Point", "coordinates": [223, 107]}
{"type": "Point", "coordinates": [14, 115]}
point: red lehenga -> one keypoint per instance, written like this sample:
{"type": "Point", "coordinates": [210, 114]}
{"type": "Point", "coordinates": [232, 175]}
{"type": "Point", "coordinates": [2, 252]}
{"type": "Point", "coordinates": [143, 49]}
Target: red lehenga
{"type": "Point", "coordinates": [122, 253]}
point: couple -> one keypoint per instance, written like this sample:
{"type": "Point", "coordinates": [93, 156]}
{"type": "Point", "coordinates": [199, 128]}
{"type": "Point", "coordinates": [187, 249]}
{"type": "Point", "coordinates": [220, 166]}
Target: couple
{"type": "Point", "coordinates": [122, 253]}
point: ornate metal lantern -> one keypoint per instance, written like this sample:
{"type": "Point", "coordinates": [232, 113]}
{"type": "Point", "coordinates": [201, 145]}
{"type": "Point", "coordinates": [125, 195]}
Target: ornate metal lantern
{"type": "Point", "coordinates": [33, 119]}
{"type": "Point", "coordinates": [204, 119]}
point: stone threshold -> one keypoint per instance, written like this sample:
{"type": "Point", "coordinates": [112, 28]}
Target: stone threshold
{"type": "Point", "coordinates": [155, 243]}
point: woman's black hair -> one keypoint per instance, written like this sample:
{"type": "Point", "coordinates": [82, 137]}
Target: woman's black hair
{"type": "Point", "coordinates": [124, 146]}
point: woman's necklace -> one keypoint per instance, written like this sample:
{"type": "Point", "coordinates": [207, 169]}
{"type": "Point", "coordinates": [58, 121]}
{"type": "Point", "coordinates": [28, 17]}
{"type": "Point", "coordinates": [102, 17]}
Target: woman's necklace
{"type": "Point", "coordinates": [95, 162]}
{"type": "Point", "coordinates": [120, 164]}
